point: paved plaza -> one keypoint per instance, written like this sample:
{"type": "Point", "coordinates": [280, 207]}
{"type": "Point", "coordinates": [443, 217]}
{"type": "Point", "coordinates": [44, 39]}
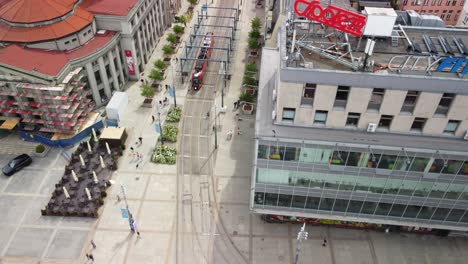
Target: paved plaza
{"type": "Point", "coordinates": [219, 229]}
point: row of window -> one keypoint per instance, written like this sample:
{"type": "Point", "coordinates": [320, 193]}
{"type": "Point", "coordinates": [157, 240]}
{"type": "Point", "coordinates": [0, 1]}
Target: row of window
{"type": "Point", "coordinates": [366, 159]}
{"type": "Point", "coordinates": [384, 124]}
{"type": "Point", "coordinates": [434, 2]}
{"type": "Point", "coordinates": [376, 99]}
{"type": "Point", "coordinates": [360, 207]}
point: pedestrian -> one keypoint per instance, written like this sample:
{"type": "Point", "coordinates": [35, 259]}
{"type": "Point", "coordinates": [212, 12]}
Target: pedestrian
{"type": "Point", "coordinates": [325, 241]}
{"type": "Point", "coordinates": [118, 198]}
{"type": "Point", "coordinates": [207, 114]}
{"type": "Point", "coordinates": [235, 105]}
{"type": "Point", "coordinates": [131, 148]}
{"type": "Point", "coordinates": [160, 103]}
{"type": "Point", "coordinates": [91, 257]}
{"type": "Point", "coordinates": [152, 117]}
{"type": "Point", "coordinates": [176, 60]}
{"type": "Point", "coordinates": [141, 140]}
{"type": "Point", "coordinates": [93, 244]}
{"type": "Point", "coordinates": [137, 165]}
{"type": "Point", "coordinates": [87, 256]}
{"type": "Point", "coordinates": [138, 234]}
{"type": "Point", "coordinates": [239, 131]}
{"type": "Point", "coordinates": [167, 87]}
{"type": "Point", "coordinates": [324, 245]}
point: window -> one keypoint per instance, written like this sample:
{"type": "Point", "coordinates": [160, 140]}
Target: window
{"type": "Point", "coordinates": [73, 40]}
{"type": "Point", "coordinates": [426, 2]}
{"type": "Point", "coordinates": [353, 119]}
{"type": "Point", "coordinates": [429, 12]}
{"type": "Point", "coordinates": [439, 3]}
{"type": "Point", "coordinates": [444, 104]}
{"type": "Point", "coordinates": [447, 3]}
{"type": "Point", "coordinates": [454, 2]}
{"type": "Point", "coordinates": [405, 2]}
{"type": "Point", "coordinates": [451, 127]}
{"type": "Point", "coordinates": [422, 12]}
{"type": "Point", "coordinates": [449, 15]}
{"type": "Point", "coordinates": [410, 102]}
{"type": "Point", "coordinates": [418, 124]}
{"type": "Point", "coordinates": [433, 3]}
{"type": "Point", "coordinates": [341, 97]}
{"type": "Point", "coordinates": [320, 117]}
{"type": "Point", "coordinates": [457, 15]}
{"type": "Point", "coordinates": [308, 94]}
{"type": "Point", "coordinates": [288, 114]}
{"type": "Point", "coordinates": [385, 121]}
{"type": "Point", "coordinates": [376, 99]}
{"type": "Point", "coordinates": [67, 42]}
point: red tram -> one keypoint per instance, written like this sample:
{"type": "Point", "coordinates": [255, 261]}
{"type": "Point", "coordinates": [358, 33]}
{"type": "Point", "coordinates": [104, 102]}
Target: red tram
{"type": "Point", "coordinates": [202, 61]}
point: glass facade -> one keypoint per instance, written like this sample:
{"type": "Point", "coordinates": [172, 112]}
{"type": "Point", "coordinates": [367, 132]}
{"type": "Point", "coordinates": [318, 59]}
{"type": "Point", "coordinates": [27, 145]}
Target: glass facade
{"type": "Point", "coordinates": [363, 181]}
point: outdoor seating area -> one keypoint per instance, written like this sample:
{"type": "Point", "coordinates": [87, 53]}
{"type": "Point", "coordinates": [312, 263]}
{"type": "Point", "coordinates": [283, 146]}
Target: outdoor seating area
{"type": "Point", "coordinates": [82, 188]}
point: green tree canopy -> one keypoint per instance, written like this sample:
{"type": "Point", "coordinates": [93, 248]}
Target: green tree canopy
{"type": "Point", "coordinates": [167, 49]}
{"type": "Point", "coordinates": [256, 23]}
{"type": "Point", "coordinates": [147, 91]}
{"type": "Point", "coordinates": [156, 75]}
{"type": "Point", "coordinates": [178, 29]}
{"type": "Point", "coordinates": [160, 64]}
{"type": "Point", "coordinates": [172, 38]}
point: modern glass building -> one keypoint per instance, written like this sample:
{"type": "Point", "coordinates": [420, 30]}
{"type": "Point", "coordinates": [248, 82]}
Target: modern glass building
{"type": "Point", "coordinates": [382, 143]}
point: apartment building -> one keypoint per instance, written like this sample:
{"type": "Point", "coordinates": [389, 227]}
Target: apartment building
{"type": "Point", "coordinates": [463, 19]}
{"type": "Point", "coordinates": [374, 135]}
{"type": "Point", "coordinates": [448, 10]}
{"type": "Point", "coordinates": [110, 42]}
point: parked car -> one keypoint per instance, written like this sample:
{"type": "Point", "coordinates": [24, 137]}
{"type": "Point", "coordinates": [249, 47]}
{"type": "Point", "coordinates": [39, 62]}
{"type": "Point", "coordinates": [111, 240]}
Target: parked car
{"type": "Point", "coordinates": [17, 164]}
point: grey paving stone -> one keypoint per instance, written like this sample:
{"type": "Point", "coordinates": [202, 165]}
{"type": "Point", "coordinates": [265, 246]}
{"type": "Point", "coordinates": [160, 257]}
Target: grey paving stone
{"type": "Point", "coordinates": [34, 217]}
{"type": "Point", "coordinates": [77, 222]}
{"type": "Point", "coordinates": [29, 242]}
{"type": "Point", "coordinates": [48, 185]}
{"type": "Point", "coordinates": [13, 208]}
{"type": "Point", "coordinates": [5, 233]}
{"type": "Point", "coordinates": [26, 181]}
{"type": "Point", "coordinates": [67, 244]}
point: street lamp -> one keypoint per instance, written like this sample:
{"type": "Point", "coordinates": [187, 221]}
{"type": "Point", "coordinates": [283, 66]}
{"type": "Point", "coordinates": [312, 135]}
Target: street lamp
{"type": "Point", "coordinates": [131, 221]}
{"type": "Point", "coordinates": [159, 123]}
{"type": "Point", "coordinates": [173, 89]}
{"type": "Point", "coordinates": [301, 235]}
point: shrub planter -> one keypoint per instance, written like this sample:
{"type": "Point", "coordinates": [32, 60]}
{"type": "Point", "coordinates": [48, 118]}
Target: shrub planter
{"type": "Point", "coordinates": [167, 60]}
{"type": "Point", "coordinates": [148, 102]}
{"type": "Point", "coordinates": [248, 109]}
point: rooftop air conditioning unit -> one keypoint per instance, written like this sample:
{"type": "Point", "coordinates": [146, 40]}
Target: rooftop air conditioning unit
{"type": "Point", "coordinates": [371, 127]}
{"type": "Point", "coordinates": [273, 115]}
{"type": "Point", "coordinates": [466, 135]}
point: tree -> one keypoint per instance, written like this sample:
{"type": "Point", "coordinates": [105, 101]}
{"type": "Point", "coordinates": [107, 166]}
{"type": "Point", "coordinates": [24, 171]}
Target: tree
{"type": "Point", "coordinates": [167, 49]}
{"type": "Point", "coordinates": [178, 29]}
{"type": "Point", "coordinates": [183, 20]}
{"type": "Point", "coordinates": [254, 34]}
{"type": "Point", "coordinates": [156, 75]}
{"type": "Point", "coordinates": [192, 2]}
{"type": "Point", "coordinates": [147, 91]}
{"type": "Point", "coordinates": [250, 68]}
{"type": "Point", "coordinates": [172, 38]}
{"type": "Point", "coordinates": [160, 64]}
{"type": "Point", "coordinates": [246, 97]}
{"type": "Point", "coordinates": [256, 24]}
{"type": "Point", "coordinates": [253, 44]}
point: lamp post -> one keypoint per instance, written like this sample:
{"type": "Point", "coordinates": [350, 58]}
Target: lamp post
{"type": "Point", "coordinates": [131, 221]}
{"type": "Point", "coordinates": [159, 124]}
{"type": "Point", "coordinates": [173, 89]}
{"type": "Point", "coordinates": [216, 127]}
{"type": "Point", "coordinates": [301, 235]}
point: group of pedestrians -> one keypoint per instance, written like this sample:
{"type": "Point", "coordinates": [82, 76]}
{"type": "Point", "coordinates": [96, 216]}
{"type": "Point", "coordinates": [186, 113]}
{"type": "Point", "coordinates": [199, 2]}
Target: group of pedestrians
{"type": "Point", "coordinates": [89, 256]}
{"type": "Point", "coordinates": [135, 154]}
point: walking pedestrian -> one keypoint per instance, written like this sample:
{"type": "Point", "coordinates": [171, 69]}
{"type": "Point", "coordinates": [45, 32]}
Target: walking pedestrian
{"type": "Point", "coordinates": [167, 87]}
{"type": "Point", "coordinates": [91, 257]}
{"type": "Point", "coordinates": [141, 140]}
{"type": "Point", "coordinates": [208, 115]}
{"type": "Point", "coordinates": [118, 198]}
{"type": "Point", "coordinates": [325, 241]}
{"type": "Point", "coordinates": [93, 244]}
{"type": "Point", "coordinates": [239, 131]}
{"type": "Point", "coordinates": [87, 256]}
{"type": "Point", "coordinates": [138, 234]}
{"type": "Point", "coordinates": [131, 148]}
{"type": "Point", "coordinates": [235, 105]}
{"type": "Point", "coordinates": [137, 165]}
{"type": "Point", "coordinates": [324, 245]}
{"type": "Point", "coordinates": [152, 117]}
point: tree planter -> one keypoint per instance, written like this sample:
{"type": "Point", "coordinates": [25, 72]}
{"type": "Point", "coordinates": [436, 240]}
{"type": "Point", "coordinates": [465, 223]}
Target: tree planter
{"type": "Point", "coordinates": [167, 59]}
{"type": "Point", "coordinates": [247, 109]}
{"type": "Point", "coordinates": [250, 91]}
{"type": "Point", "coordinates": [148, 102]}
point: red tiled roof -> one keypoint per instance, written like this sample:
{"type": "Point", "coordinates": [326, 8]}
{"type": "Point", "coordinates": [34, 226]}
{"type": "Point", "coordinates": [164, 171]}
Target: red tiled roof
{"type": "Point", "coordinates": [29, 11]}
{"type": "Point", "coordinates": [80, 19]}
{"type": "Point", "coordinates": [109, 7]}
{"type": "Point", "coordinates": [49, 62]}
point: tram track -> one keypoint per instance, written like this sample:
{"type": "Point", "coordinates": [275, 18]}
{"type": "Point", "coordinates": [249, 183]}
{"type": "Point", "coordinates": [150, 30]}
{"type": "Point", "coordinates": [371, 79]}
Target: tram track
{"type": "Point", "coordinates": [199, 104]}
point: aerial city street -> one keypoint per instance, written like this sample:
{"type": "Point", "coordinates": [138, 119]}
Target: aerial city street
{"type": "Point", "coordinates": [233, 131]}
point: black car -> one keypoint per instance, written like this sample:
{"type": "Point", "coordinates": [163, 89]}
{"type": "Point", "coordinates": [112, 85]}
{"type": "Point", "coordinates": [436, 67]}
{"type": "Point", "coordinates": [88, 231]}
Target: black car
{"type": "Point", "coordinates": [17, 164]}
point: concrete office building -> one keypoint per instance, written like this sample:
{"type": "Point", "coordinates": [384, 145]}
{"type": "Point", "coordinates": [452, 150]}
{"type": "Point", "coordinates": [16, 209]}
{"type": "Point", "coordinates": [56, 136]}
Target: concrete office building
{"type": "Point", "coordinates": [379, 140]}
{"type": "Point", "coordinates": [41, 42]}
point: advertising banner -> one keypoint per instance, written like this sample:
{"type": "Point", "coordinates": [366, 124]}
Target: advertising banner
{"type": "Point", "coordinates": [130, 63]}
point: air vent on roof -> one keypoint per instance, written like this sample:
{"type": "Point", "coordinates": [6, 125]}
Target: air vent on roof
{"type": "Point", "coordinates": [101, 32]}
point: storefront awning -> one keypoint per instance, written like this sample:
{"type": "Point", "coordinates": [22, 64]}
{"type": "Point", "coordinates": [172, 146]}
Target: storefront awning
{"type": "Point", "coordinates": [9, 124]}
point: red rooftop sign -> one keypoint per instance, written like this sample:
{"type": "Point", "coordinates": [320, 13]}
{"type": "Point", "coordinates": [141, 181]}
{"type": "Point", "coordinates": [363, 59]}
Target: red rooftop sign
{"type": "Point", "coordinates": [331, 16]}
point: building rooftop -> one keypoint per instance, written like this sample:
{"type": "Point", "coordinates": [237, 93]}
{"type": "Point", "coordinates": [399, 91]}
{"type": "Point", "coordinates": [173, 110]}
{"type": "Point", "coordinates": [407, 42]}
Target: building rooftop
{"type": "Point", "coordinates": [50, 62]}
{"type": "Point", "coordinates": [265, 126]}
{"type": "Point", "coordinates": [399, 49]}
{"type": "Point", "coordinates": [30, 11]}
{"type": "Point", "coordinates": [109, 7]}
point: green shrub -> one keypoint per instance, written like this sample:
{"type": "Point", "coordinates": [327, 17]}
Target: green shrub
{"type": "Point", "coordinates": [160, 64]}
{"type": "Point", "coordinates": [172, 38]}
{"type": "Point", "coordinates": [167, 49]}
{"type": "Point", "coordinates": [250, 68]}
{"type": "Point", "coordinates": [256, 23]}
{"type": "Point", "coordinates": [40, 148]}
{"type": "Point", "coordinates": [246, 97]}
{"type": "Point", "coordinates": [253, 43]}
{"type": "Point", "coordinates": [249, 79]}
{"type": "Point", "coordinates": [174, 115]}
{"type": "Point", "coordinates": [156, 75]}
{"type": "Point", "coordinates": [254, 34]}
{"type": "Point", "coordinates": [147, 91]}
{"type": "Point", "coordinates": [178, 29]}
{"type": "Point", "coordinates": [170, 133]}
{"type": "Point", "coordinates": [164, 155]}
